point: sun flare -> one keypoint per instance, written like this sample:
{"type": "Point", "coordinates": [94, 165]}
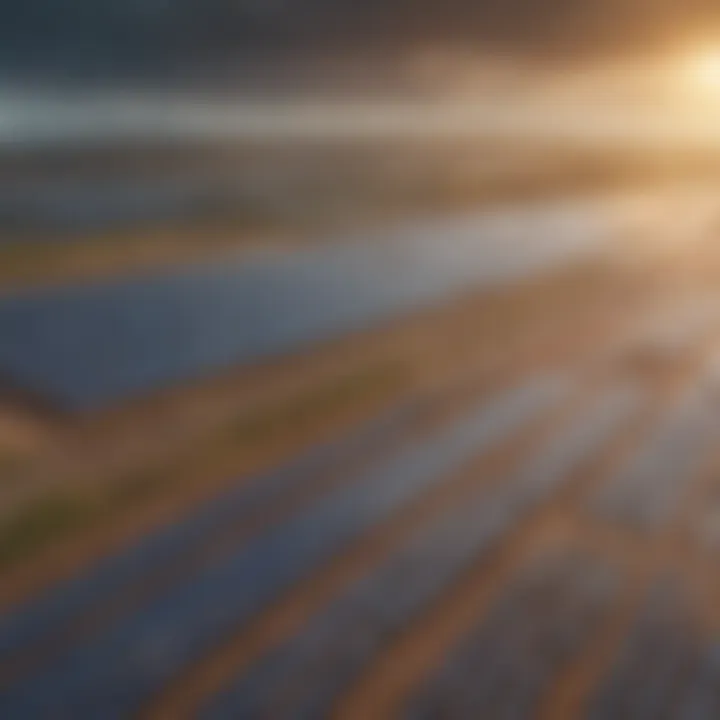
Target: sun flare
{"type": "Point", "coordinates": [704, 70]}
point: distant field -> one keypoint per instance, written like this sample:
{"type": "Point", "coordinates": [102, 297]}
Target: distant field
{"type": "Point", "coordinates": [81, 213]}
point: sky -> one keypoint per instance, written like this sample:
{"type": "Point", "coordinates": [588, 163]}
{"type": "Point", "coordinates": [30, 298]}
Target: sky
{"type": "Point", "coordinates": [72, 69]}
{"type": "Point", "coordinates": [145, 38]}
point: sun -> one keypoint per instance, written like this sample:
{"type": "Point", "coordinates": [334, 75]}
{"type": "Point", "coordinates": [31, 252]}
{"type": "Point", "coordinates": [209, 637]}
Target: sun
{"type": "Point", "coordinates": [704, 70]}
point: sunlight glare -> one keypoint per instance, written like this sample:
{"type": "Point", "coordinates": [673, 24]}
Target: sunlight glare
{"type": "Point", "coordinates": [704, 70]}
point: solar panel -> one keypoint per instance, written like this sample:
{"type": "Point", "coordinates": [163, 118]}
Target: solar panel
{"type": "Point", "coordinates": [88, 346]}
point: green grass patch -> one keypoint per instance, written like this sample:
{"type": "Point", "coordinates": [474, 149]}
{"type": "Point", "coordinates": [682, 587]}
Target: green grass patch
{"type": "Point", "coordinates": [306, 407]}
{"type": "Point", "coordinates": [44, 521]}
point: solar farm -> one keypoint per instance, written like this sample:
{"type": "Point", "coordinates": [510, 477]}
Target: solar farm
{"type": "Point", "coordinates": [516, 516]}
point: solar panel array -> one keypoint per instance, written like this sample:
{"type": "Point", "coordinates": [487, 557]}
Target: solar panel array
{"type": "Point", "coordinates": [89, 346]}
